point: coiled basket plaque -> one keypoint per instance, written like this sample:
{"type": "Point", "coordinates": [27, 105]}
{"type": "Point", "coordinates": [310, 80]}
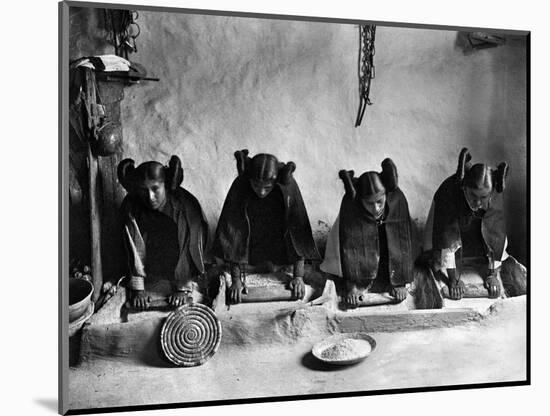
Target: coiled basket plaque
{"type": "Point", "coordinates": [191, 335]}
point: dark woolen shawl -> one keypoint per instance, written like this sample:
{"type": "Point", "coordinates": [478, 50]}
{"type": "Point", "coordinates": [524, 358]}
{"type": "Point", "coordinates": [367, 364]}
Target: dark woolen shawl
{"type": "Point", "coordinates": [185, 208]}
{"type": "Point", "coordinates": [359, 249]}
{"type": "Point", "coordinates": [359, 241]}
{"type": "Point", "coordinates": [449, 206]}
{"type": "Point", "coordinates": [232, 232]}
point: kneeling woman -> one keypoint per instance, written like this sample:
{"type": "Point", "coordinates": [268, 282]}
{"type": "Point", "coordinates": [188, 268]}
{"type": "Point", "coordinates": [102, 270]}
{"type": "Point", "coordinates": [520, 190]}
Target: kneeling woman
{"type": "Point", "coordinates": [264, 224]}
{"type": "Point", "coordinates": [465, 229]}
{"type": "Point", "coordinates": [370, 244]}
{"type": "Point", "coordinates": [165, 230]}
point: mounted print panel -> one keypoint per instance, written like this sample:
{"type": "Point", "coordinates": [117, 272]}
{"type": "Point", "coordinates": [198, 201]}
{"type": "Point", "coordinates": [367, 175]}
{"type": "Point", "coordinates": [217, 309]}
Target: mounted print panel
{"type": "Point", "coordinates": [282, 207]}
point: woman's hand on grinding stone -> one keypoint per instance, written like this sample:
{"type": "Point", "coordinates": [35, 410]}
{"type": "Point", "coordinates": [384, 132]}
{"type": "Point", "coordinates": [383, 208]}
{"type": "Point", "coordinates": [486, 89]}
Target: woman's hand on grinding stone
{"type": "Point", "coordinates": [399, 293]}
{"type": "Point", "coordinates": [235, 290]}
{"type": "Point", "coordinates": [456, 289]}
{"type": "Point", "coordinates": [352, 295]}
{"type": "Point", "coordinates": [140, 299]}
{"type": "Point", "coordinates": [493, 286]}
{"type": "Point", "coordinates": [179, 297]}
{"type": "Point", "coordinates": [297, 287]}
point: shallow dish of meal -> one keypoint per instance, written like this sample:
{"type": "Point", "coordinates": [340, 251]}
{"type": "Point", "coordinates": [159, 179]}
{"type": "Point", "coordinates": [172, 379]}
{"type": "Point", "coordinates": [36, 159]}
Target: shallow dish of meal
{"type": "Point", "coordinates": [344, 349]}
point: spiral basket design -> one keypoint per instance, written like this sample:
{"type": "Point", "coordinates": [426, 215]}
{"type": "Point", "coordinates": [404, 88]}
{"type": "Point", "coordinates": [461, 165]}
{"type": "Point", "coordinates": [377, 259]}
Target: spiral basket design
{"type": "Point", "coordinates": [191, 335]}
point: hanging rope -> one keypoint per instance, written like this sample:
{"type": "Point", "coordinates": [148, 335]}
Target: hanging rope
{"type": "Point", "coordinates": [365, 68]}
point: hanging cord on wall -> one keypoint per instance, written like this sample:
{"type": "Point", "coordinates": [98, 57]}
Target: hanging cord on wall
{"type": "Point", "coordinates": [122, 30]}
{"type": "Point", "coordinates": [365, 68]}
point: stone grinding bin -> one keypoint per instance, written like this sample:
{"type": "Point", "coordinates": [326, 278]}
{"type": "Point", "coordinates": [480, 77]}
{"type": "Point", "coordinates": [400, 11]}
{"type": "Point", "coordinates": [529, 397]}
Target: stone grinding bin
{"type": "Point", "coordinates": [118, 333]}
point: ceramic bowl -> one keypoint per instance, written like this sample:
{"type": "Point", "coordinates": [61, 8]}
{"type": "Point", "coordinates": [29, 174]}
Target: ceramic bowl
{"type": "Point", "coordinates": [80, 294]}
{"type": "Point", "coordinates": [319, 348]}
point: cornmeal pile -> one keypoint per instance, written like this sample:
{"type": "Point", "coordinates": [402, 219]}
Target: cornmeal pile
{"type": "Point", "coordinates": [347, 349]}
{"type": "Point", "coordinates": [265, 280]}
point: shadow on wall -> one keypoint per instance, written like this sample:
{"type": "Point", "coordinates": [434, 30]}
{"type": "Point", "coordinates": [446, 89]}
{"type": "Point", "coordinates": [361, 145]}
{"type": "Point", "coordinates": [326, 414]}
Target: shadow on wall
{"type": "Point", "coordinates": [507, 135]}
{"type": "Point", "coordinates": [87, 34]}
{"type": "Point", "coordinates": [417, 236]}
{"type": "Point", "coordinates": [463, 43]}
{"type": "Point", "coordinates": [320, 235]}
{"type": "Point", "coordinates": [497, 128]}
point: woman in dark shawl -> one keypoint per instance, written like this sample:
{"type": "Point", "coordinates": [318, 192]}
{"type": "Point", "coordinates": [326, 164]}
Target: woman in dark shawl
{"type": "Point", "coordinates": [466, 229]}
{"type": "Point", "coordinates": [370, 244]}
{"type": "Point", "coordinates": [264, 223]}
{"type": "Point", "coordinates": [165, 230]}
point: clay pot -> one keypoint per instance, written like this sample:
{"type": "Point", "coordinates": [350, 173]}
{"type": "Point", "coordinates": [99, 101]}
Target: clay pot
{"type": "Point", "coordinates": [80, 294]}
{"type": "Point", "coordinates": [109, 139]}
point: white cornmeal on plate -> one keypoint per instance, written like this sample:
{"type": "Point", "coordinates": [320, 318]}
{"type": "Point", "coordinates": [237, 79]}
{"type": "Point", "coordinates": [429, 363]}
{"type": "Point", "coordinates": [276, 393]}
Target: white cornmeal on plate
{"type": "Point", "coordinates": [347, 349]}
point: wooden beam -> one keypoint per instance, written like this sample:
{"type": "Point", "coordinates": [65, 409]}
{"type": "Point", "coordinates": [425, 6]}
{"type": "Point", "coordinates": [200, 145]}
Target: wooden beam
{"type": "Point", "coordinates": [95, 226]}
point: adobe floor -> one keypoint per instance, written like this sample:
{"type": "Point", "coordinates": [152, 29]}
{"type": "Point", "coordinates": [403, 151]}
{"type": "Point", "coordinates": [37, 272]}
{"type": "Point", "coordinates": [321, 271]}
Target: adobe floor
{"type": "Point", "coordinates": [490, 350]}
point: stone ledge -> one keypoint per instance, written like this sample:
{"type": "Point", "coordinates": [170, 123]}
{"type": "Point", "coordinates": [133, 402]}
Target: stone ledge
{"type": "Point", "coordinates": [274, 323]}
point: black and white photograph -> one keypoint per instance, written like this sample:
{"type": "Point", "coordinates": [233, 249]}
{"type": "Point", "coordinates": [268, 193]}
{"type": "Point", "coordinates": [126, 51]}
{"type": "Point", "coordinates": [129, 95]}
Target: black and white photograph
{"type": "Point", "coordinates": [266, 207]}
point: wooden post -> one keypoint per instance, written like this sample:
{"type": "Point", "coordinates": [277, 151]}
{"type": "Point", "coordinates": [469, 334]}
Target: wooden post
{"type": "Point", "coordinates": [95, 226]}
{"type": "Point", "coordinates": [93, 172]}
{"type": "Point", "coordinates": [110, 193]}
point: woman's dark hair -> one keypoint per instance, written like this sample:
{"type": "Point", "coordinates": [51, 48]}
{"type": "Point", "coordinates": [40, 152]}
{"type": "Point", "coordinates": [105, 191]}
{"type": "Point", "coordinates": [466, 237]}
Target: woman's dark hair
{"type": "Point", "coordinates": [463, 164]}
{"type": "Point", "coordinates": [389, 174]}
{"type": "Point", "coordinates": [153, 171]}
{"type": "Point", "coordinates": [480, 175]}
{"type": "Point", "coordinates": [370, 183]}
{"type": "Point", "coordinates": [264, 167]}
{"type": "Point", "coordinates": [129, 176]}
{"type": "Point", "coordinates": [499, 177]}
